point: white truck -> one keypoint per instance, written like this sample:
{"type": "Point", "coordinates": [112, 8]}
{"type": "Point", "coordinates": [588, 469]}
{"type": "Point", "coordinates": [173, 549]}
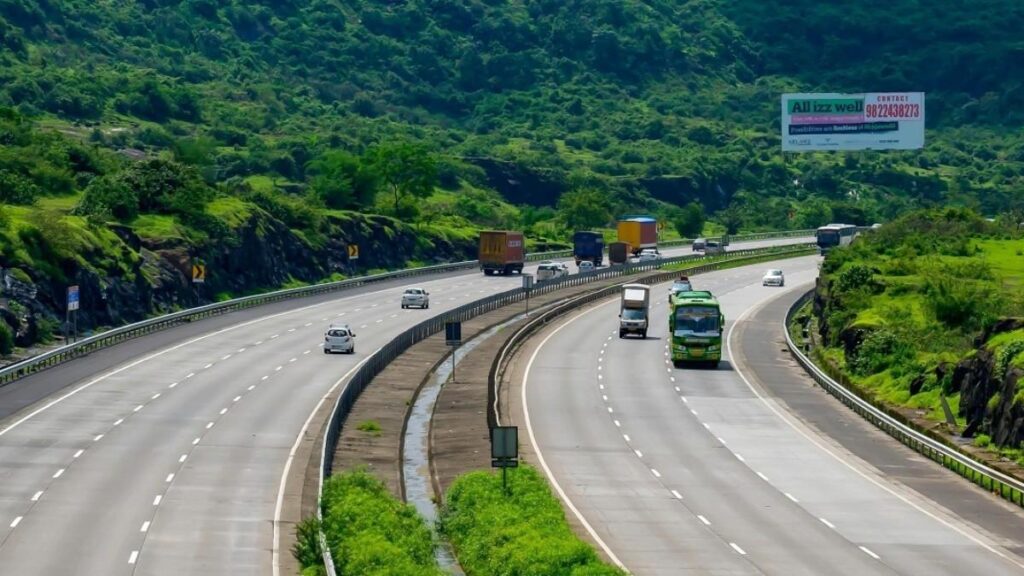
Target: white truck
{"type": "Point", "coordinates": [634, 310]}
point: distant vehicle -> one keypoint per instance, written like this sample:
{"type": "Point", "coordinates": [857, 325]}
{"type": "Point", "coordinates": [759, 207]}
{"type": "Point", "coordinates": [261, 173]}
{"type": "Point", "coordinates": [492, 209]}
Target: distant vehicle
{"type": "Point", "coordinates": [417, 297]}
{"type": "Point", "coordinates": [695, 321]}
{"type": "Point", "coordinates": [586, 266]}
{"type": "Point", "coordinates": [713, 247]}
{"type": "Point", "coordinates": [681, 285]}
{"type": "Point", "coordinates": [835, 235]}
{"type": "Point", "coordinates": [698, 244]}
{"type": "Point", "coordinates": [501, 252]}
{"type": "Point", "coordinates": [634, 308]}
{"type": "Point", "coordinates": [649, 254]}
{"type": "Point", "coordinates": [618, 252]}
{"type": "Point", "coordinates": [639, 232]}
{"type": "Point", "coordinates": [773, 277]}
{"type": "Point", "coordinates": [341, 338]}
{"type": "Point", "coordinates": [551, 271]}
{"type": "Point", "coordinates": [588, 247]}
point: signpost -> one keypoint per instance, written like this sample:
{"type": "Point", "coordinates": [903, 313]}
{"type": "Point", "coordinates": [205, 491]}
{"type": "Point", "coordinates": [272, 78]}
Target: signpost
{"type": "Point", "coordinates": [528, 286]}
{"type": "Point", "coordinates": [453, 338]}
{"type": "Point", "coordinates": [71, 319]}
{"type": "Point", "coordinates": [504, 451]}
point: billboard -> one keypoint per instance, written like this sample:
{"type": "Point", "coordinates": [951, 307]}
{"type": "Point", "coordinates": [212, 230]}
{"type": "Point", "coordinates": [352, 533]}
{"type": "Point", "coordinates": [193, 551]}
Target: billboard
{"type": "Point", "coordinates": [873, 121]}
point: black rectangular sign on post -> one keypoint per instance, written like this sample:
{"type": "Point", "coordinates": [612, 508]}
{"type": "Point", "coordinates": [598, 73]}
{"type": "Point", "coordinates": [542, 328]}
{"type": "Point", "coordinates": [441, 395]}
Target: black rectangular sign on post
{"type": "Point", "coordinates": [453, 333]}
{"type": "Point", "coordinates": [504, 442]}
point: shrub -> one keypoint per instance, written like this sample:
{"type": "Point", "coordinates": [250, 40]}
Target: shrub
{"type": "Point", "coordinates": [6, 339]}
{"type": "Point", "coordinates": [109, 197]}
{"type": "Point", "coordinates": [961, 303]}
{"type": "Point", "coordinates": [370, 426]}
{"type": "Point", "coordinates": [982, 440]}
{"type": "Point", "coordinates": [881, 349]}
{"type": "Point", "coordinates": [371, 532]}
{"type": "Point", "coordinates": [522, 533]}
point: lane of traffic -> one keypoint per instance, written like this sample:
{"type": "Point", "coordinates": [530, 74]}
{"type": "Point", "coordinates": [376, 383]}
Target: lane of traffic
{"type": "Point", "coordinates": [715, 449]}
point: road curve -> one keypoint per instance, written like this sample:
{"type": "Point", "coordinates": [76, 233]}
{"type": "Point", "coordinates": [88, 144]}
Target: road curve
{"type": "Point", "coordinates": [689, 471]}
{"type": "Point", "coordinates": [164, 455]}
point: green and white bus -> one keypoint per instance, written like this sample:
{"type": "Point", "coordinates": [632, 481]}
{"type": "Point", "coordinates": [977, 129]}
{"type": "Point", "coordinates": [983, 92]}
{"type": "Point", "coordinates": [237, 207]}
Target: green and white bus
{"type": "Point", "coordinates": [695, 322]}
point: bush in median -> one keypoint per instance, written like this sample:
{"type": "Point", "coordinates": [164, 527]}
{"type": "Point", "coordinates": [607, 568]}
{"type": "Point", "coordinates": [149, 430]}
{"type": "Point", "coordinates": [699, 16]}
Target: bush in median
{"type": "Point", "coordinates": [369, 531]}
{"type": "Point", "coordinates": [519, 534]}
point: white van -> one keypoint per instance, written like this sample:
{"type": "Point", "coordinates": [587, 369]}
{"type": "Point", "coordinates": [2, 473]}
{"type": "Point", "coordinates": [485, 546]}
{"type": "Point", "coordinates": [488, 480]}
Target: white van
{"type": "Point", "coordinates": [341, 338]}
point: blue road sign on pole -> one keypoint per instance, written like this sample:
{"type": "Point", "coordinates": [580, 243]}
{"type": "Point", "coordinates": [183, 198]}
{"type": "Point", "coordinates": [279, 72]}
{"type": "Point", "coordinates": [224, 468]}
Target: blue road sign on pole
{"type": "Point", "coordinates": [72, 298]}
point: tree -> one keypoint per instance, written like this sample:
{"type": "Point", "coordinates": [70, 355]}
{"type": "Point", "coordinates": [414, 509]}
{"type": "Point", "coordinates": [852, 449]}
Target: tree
{"type": "Point", "coordinates": [405, 169]}
{"type": "Point", "coordinates": [731, 219]}
{"type": "Point", "coordinates": [341, 181]}
{"type": "Point", "coordinates": [813, 213]}
{"type": "Point", "coordinates": [108, 196]}
{"type": "Point", "coordinates": [690, 220]}
{"type": "Point", "coordinates": [584, 208]}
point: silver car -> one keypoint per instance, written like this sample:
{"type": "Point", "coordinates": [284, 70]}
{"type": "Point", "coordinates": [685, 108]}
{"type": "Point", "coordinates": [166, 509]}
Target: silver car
{"type": "Point", "coordinates": [417, 297]}
{"type": "Point", "coordinates": [340, 338]}
{"type": "Point", "coordinates": [551, 271]}
{"type": "Point", "coordinates": [773, 277]}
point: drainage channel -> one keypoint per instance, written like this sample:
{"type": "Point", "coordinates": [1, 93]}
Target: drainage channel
{"type": "Point", "coordinates": [415, 464]}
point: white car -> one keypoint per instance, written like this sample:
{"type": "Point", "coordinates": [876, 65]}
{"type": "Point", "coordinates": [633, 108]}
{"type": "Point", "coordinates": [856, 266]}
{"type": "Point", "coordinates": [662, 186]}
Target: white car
{"type": "Point", "coordinates": [649, 255]}
{"type": "Point", "coordinates": [551, 271]}
{"type": "Point", "coordinates": [417, 297]}
{"type": "Point", "coordinates": [586, 266]}
{"type": "Point", "coordinates": [773, 277]}
{"type": "Point", "coordinates": [681, 285]}
{"type": "Point", "coordinates": [340, 338]}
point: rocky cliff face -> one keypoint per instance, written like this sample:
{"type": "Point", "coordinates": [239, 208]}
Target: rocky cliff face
{"type": "Point", "coordinates": [992, 389]}
{"type": "Point", "coordinates": [145, 277]}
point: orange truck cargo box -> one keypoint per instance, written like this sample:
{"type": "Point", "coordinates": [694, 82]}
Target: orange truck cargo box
{"type": "Point", "coordinates": [639, 233]}
{"type": "Point", "coordinates": [501, 252]}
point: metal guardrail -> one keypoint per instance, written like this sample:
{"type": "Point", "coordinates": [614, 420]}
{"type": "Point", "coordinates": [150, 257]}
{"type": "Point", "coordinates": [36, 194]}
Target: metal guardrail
{"type": "Point", "coordinates": [524, 333]}
{"type": "Point", "coordinates": [1005, 486]}
{"type": "Point", "coordinates": [380, 359]}
{"type": "Point", "coordinates": [114, 336]}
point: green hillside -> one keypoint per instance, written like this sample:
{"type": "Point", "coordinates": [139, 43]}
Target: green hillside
{"type": "Point", "coordinates": [181, 122]}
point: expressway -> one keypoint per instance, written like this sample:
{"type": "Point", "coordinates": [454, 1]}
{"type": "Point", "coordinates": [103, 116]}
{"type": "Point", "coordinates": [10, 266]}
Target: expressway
{"type": "Point", "coordinates": [164, 455]}
{"type": "Point", "coordinates": [696, 471]}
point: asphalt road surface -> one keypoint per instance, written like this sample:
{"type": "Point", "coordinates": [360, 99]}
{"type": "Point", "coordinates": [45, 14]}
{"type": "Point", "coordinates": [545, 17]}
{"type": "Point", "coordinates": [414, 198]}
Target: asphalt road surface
{"type": "Point", "coordinates": [690, 471]}
{"type": "Point", "coordinates": [164, 455]}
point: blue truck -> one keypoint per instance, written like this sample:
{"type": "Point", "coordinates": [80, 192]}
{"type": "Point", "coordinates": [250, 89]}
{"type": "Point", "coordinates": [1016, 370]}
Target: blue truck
{"type": "Point", "coordinates": [588, 246]}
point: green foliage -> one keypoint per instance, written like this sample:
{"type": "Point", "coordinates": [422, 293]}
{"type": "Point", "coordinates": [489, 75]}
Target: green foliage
{"type": "Point", "coordinates": [524, 532]}
{"type": "Point", "coordinates": [109, 197]}
{"type": "Point", "coordinates": [6, 339]}
{"type": "Point", "coordinates": [371, 532]}
{"type": "Point", "coordinates": [307, 548]}
{"type": "Point", "coordinates": [342, 181]}
{"type": "Point", "coordinates": [690, 221]}
{"type": "Point", "coordinates": [406, 169]}
{"type": "Point", "coordinates": [982, 441]}
{"type": "Point", "coordinates": [881, 350]}
{"type": "Point", "coordinates": [371, 427]}
{"type": "Point", "coordinates": [583, 209]}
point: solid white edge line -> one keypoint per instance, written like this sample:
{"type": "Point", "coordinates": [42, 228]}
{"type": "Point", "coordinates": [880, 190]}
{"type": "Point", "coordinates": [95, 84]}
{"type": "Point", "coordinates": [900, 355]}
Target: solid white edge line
{"type": "Point", "coordinates": [729, 339]}
{"type": "Point", "coordinates": [275, 551]}
{"type": "Point", "coordinates": [540, 456]}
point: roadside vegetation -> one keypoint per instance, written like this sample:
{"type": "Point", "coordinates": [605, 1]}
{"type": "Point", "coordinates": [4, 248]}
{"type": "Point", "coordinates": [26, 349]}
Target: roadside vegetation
{"type": "Point", "coordinates": [521, 532]}
{"type": "Point", "coordinates": [369, 532]}
{"type": "Point", "coordinates": [931, 305]}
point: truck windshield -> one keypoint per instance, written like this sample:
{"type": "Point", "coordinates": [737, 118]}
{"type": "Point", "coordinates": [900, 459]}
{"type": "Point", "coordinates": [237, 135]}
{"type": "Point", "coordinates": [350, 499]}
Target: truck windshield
{"type": "Point", "coordinates": [633, 314]}
{"type": "Point", "coordinates": [696, 319]}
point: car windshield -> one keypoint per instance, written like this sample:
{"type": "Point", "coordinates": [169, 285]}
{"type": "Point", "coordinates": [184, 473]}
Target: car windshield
{"type": "Point", "coordinates": [775, 272]}
{"type": "Point", "coordinates": [681, 287]}
{"type": "Point", "coordinates": [413, 292]}
{"type": "Point", "coordinates": [633, 314]}
{"type": "Point", "coordinates": [337, 333]}
{"type": "Point", "coordinates": [697, 320]}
